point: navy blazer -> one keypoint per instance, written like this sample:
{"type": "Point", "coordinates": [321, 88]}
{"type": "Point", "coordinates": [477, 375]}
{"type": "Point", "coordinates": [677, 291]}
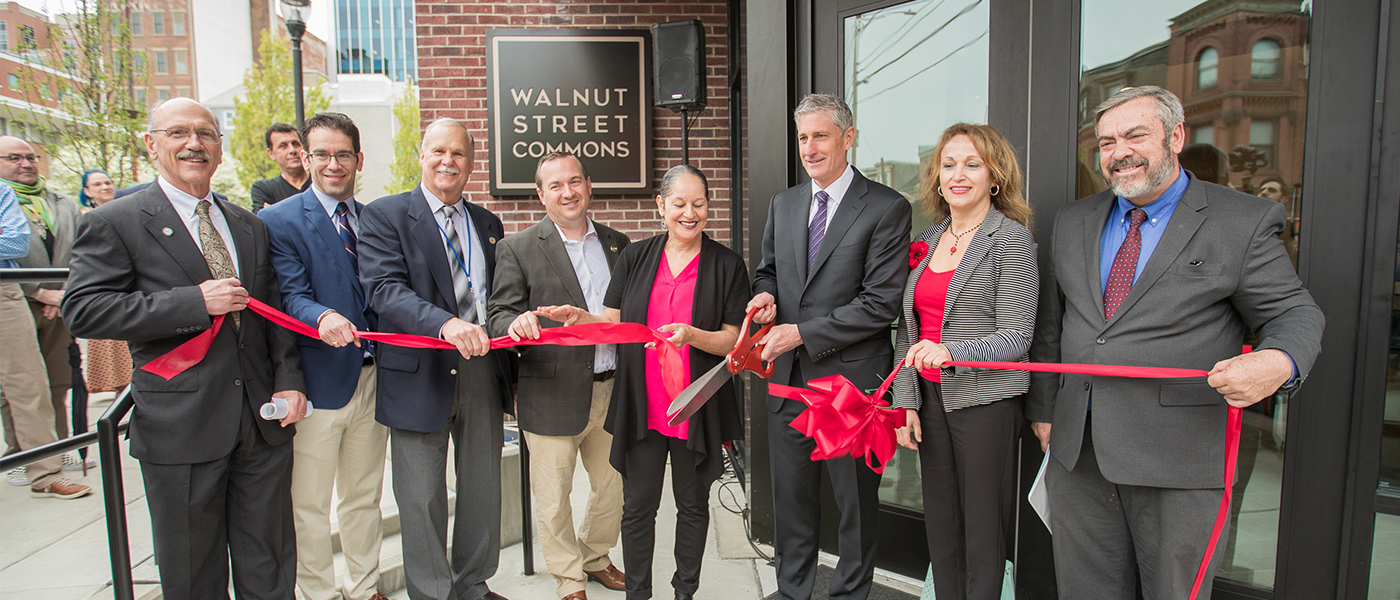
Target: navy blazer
{"type": "Point", "coordinates": [316, 274]}
{"type": "Point", "coordinates": [404, 270]}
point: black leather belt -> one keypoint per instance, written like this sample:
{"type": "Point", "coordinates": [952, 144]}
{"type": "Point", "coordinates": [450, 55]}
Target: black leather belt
{"type": "Point", "coordinates": [605, 375]}
{"type": "Point", "coordinates": [369, 361]}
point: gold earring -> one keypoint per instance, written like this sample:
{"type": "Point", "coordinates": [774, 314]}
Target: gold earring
{"type": "Point", "coordinates": [997, 190]}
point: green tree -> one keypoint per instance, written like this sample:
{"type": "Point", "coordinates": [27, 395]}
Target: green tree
{"type": "Point", "coordinates": [77, 79]}
{"type": "Point", "coordinates": [405, 171]}
{"type": "Point", "coordinates": [268, 97]}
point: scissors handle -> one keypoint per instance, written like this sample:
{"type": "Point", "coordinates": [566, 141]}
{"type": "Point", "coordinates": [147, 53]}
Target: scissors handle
{"type": "Point", "coordinates": [748, 350]}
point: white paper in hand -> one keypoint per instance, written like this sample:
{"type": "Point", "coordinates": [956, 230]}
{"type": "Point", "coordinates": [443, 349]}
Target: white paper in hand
{"type": "Point", "coordinates": [1039, 497]}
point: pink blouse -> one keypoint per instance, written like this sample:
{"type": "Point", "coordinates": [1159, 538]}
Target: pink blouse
{"type": "Point", "coordinates": [930, 297]}
{"type": "Point", "coordinates": [672, 300]}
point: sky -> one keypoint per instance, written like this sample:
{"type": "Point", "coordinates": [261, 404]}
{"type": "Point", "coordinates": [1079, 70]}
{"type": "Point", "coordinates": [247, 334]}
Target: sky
{"type": "Point", "coordinates": [319, 24]}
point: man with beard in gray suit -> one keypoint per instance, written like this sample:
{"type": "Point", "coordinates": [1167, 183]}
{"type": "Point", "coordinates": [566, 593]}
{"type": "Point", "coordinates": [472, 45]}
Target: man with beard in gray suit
{"type": "Point", "coordinates": [1160, 270]}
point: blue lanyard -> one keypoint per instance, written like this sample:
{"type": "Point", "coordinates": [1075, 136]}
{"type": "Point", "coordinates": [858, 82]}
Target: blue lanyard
{"type": "Point", "coordinates": [466, 266]}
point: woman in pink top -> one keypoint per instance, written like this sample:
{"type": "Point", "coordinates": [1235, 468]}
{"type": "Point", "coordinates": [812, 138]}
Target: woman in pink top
{"type": "Point", "coordinates": [971, 296]}
{"type": "Point", "coordinates": [684, 283]}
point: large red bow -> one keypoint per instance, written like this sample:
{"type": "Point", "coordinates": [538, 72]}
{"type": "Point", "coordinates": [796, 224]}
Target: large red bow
{"type": "Point", "coordinates": [191, 352]}
{"type": "Point", "coordinates": [845, 422]}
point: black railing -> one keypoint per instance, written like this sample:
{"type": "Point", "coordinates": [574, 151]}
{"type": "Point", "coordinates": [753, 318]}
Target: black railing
{"type": "Point", "coordinates": [47, 275]}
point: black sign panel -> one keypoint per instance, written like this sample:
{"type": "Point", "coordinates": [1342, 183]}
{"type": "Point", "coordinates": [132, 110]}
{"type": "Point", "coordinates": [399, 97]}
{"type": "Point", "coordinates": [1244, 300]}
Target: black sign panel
{"type": "Point", "coordinates": [581, 91]}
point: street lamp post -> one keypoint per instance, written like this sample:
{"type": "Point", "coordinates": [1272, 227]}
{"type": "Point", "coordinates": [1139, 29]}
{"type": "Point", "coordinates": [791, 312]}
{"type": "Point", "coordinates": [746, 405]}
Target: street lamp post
{"type": "Point", "coordinates": [296, 12]}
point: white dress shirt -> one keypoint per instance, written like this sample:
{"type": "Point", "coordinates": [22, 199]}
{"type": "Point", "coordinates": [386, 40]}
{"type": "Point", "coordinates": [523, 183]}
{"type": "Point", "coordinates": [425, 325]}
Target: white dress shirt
{"type": "Point", "coordinates": [330, 204]}
{"type": "Point", "coordinates": [591, 267]}
{"type": "Point", "coordinates": [835, 193]}
{"type": "Point", "coordinates": [462, 223]}
{"type": "Point", "coordinates": [185, 206]}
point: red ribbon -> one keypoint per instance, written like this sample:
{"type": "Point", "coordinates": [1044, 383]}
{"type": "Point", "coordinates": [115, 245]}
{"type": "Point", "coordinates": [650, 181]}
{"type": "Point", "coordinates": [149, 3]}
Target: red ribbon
{"type": "Point", "coordinates": [191, 352]}
{"type": "Point", "coordinates": [844, 422]}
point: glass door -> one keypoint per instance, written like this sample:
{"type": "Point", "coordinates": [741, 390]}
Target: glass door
{"type": "Point", "coordinates": [908, 70]}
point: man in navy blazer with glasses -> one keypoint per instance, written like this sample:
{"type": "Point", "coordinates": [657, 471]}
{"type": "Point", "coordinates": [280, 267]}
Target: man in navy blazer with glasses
{"type": "Point", "coordinates": [315, 252]}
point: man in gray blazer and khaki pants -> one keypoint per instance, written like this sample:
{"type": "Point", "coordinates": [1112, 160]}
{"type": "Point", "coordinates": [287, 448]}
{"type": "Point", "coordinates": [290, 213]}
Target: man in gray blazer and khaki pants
{"type": "Point", "coordinates": [564, 392]}
{"type": "Point", "coordinates": [1161, 270]}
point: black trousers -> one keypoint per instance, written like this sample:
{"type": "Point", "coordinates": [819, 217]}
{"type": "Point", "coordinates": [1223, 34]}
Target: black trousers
{"type": "Point", "coordinates": [797, 511]}
{"type": "Point", "coordinates": [967, 459]}
{"type": "Point", "coordinates": [641, 496]}
{"type": "Point", "coordinates": [239, 507]}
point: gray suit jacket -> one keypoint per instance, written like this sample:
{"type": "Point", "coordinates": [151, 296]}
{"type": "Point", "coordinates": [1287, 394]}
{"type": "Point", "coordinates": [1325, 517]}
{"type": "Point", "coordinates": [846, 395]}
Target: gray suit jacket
{"type": "Point", "coordinates": [532, 270]}
{"type": "Point", "coordinates": [989, 314]}
{"type": "Point", "coordinates": [843, 308]}
{"type": "Point", "coordinates": [1218, 273]}
{"type": "Point", "coordinates": [65, 223]}
{"type": "Point", "coordinates": [135, 277]}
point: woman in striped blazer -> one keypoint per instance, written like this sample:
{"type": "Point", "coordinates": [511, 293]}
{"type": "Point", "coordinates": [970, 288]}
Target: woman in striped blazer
{"type": "Point", "coordinates": [971, 296]}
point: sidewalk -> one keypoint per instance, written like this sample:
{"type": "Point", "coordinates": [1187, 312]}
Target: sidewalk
{"type": "Point", "coordinates": [57, 550]}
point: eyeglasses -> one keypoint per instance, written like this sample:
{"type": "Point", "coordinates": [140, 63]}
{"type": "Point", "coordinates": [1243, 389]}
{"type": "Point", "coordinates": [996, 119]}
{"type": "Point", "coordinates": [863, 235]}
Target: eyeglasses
{"type": "Point", "coordinates": [21, 158]}
{"type": "Point", "coordinates": [344, 158]}
{"type": "Point", "coordinates": [207, 136]}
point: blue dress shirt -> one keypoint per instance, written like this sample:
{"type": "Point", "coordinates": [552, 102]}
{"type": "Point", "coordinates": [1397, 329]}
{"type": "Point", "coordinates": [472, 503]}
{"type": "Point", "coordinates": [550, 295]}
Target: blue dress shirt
{"type": "Point", "coordinates": [1115, 230]}
{"type": "Point", "coordinates": [14, 229]}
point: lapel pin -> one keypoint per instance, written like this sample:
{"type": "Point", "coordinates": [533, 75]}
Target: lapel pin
{"type": "Point", "coordinates": [168, 232]}
{"type": "Point", "coordinates": [612, 249]}
{"type": "Point", "coordinates": [491, 240]}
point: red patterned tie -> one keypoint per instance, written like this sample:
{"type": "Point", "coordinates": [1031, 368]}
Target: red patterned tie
{"type": "Point", "coordinates": [1120, 277]}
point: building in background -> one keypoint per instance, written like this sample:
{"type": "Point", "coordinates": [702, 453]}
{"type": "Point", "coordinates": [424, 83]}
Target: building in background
{"type": "Point", "coordinates": [376, 36]}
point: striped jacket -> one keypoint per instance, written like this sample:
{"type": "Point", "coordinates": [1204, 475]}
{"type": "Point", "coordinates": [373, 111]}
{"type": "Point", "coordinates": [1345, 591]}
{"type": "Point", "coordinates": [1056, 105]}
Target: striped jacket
{"type": "Point", "coordinates": [989, 315]}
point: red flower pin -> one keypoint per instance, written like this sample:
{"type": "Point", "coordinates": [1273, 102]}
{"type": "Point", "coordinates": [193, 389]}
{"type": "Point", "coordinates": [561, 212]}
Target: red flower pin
{"type": "Point", "coordinates": [917, 250]}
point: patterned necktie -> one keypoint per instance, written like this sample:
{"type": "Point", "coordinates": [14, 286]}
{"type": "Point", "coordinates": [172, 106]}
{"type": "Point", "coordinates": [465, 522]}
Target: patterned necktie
{"type": "Point", "coordinates": [1120, 276]}
{"type": "Point", "coordinates": [461, 281]}
{"type": "Point", "coordinates": [215, 252]}
{"type": "Point", "coordinates": [347, 235]}
{"type": "Point", "coordinates": [817, 230]}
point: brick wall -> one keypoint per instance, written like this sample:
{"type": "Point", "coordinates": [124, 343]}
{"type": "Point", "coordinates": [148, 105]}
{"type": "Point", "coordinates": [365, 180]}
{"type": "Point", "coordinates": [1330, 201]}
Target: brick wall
{"type": "Point", "coordinates": [452, 76]}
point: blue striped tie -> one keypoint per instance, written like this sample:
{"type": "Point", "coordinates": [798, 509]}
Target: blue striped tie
{"type": "Point", "coordinates": [347, 235]}
{"type": "Point", "coordinates": [817, 230]}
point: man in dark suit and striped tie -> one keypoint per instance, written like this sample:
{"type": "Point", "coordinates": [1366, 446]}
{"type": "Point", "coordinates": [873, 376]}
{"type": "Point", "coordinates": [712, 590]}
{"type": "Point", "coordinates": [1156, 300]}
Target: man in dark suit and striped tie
{"type": "Point", "coordinates": [340, 445]}
{"type": "Point", "coordinates": [427, 262]}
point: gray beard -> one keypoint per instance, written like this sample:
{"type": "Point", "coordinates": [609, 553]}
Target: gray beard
{"type": "Point", "coordinates": [1157, 174]}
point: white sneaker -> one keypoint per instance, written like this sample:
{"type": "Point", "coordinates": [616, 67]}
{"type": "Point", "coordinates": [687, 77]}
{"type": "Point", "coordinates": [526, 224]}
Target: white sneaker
{"type": "Point", "coordinates": [18, 476]}
{"type": "Point", "coordinates": [71, 462]}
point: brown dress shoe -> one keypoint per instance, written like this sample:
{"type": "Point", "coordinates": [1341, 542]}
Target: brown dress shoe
{"type": "Point", "coordinates": [610, 577]}
{"type": "Point", "coordinates": [579, 595]}
{"type": "Point", "coordinates": [378, 596]}
{"type": "Point", "coordinates": [61, 489]}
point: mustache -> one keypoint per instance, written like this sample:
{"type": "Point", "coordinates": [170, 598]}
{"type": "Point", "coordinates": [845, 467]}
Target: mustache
{"type": "Point", "coordinates": [189, 154]}
{"type": "Point", "coordinates": [1126, 162]}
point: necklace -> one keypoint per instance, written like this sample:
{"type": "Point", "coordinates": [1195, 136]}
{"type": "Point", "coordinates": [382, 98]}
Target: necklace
{"type": "Point", "coordinates": [957, 237]}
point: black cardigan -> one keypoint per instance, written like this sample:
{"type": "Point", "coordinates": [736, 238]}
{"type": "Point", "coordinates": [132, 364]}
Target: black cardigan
{"type": "Point", "coordinates": [721, 294]}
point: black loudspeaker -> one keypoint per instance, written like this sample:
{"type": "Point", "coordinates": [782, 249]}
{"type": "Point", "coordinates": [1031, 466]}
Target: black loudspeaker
{"type": "Point", "coordinates": [679, 64]}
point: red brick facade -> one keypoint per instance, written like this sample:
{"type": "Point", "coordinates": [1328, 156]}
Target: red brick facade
{"type": "Point", "coordinates": [452, 72]}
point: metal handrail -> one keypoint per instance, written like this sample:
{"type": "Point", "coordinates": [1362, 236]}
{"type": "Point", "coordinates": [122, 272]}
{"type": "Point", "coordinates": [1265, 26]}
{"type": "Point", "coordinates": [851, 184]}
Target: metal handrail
{"type": "Point", "coordinates": [109, 451]}
{"type": "Point", "coordinates": [34, 275]}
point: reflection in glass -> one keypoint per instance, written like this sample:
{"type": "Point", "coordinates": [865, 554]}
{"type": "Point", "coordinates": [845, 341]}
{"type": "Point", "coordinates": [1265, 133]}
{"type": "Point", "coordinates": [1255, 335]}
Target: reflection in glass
{"type": "Point", "coordinates": [1240, 70]}
{"type": "Point", "coordinates": [1385, 550]}
{"type": "Point", "coordinates": [911, 70]}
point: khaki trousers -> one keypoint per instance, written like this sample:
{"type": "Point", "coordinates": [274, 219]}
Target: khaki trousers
{"type": "Point", "coordinates": [26, 384]}
{"type": "Point", "coordinates": [341, 449]}
{"type": "Point", "coordinates": [552, 461]}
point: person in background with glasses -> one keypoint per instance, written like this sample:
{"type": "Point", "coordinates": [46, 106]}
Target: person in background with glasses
{"type": "Point", "coordinates": [156, 269]}
{"type": "Point", "coordinates": [53, 219]}
{"type": "Point", "coordinates": [284, 146]}
{"type": "Point", "coordinates": [315, 251]}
